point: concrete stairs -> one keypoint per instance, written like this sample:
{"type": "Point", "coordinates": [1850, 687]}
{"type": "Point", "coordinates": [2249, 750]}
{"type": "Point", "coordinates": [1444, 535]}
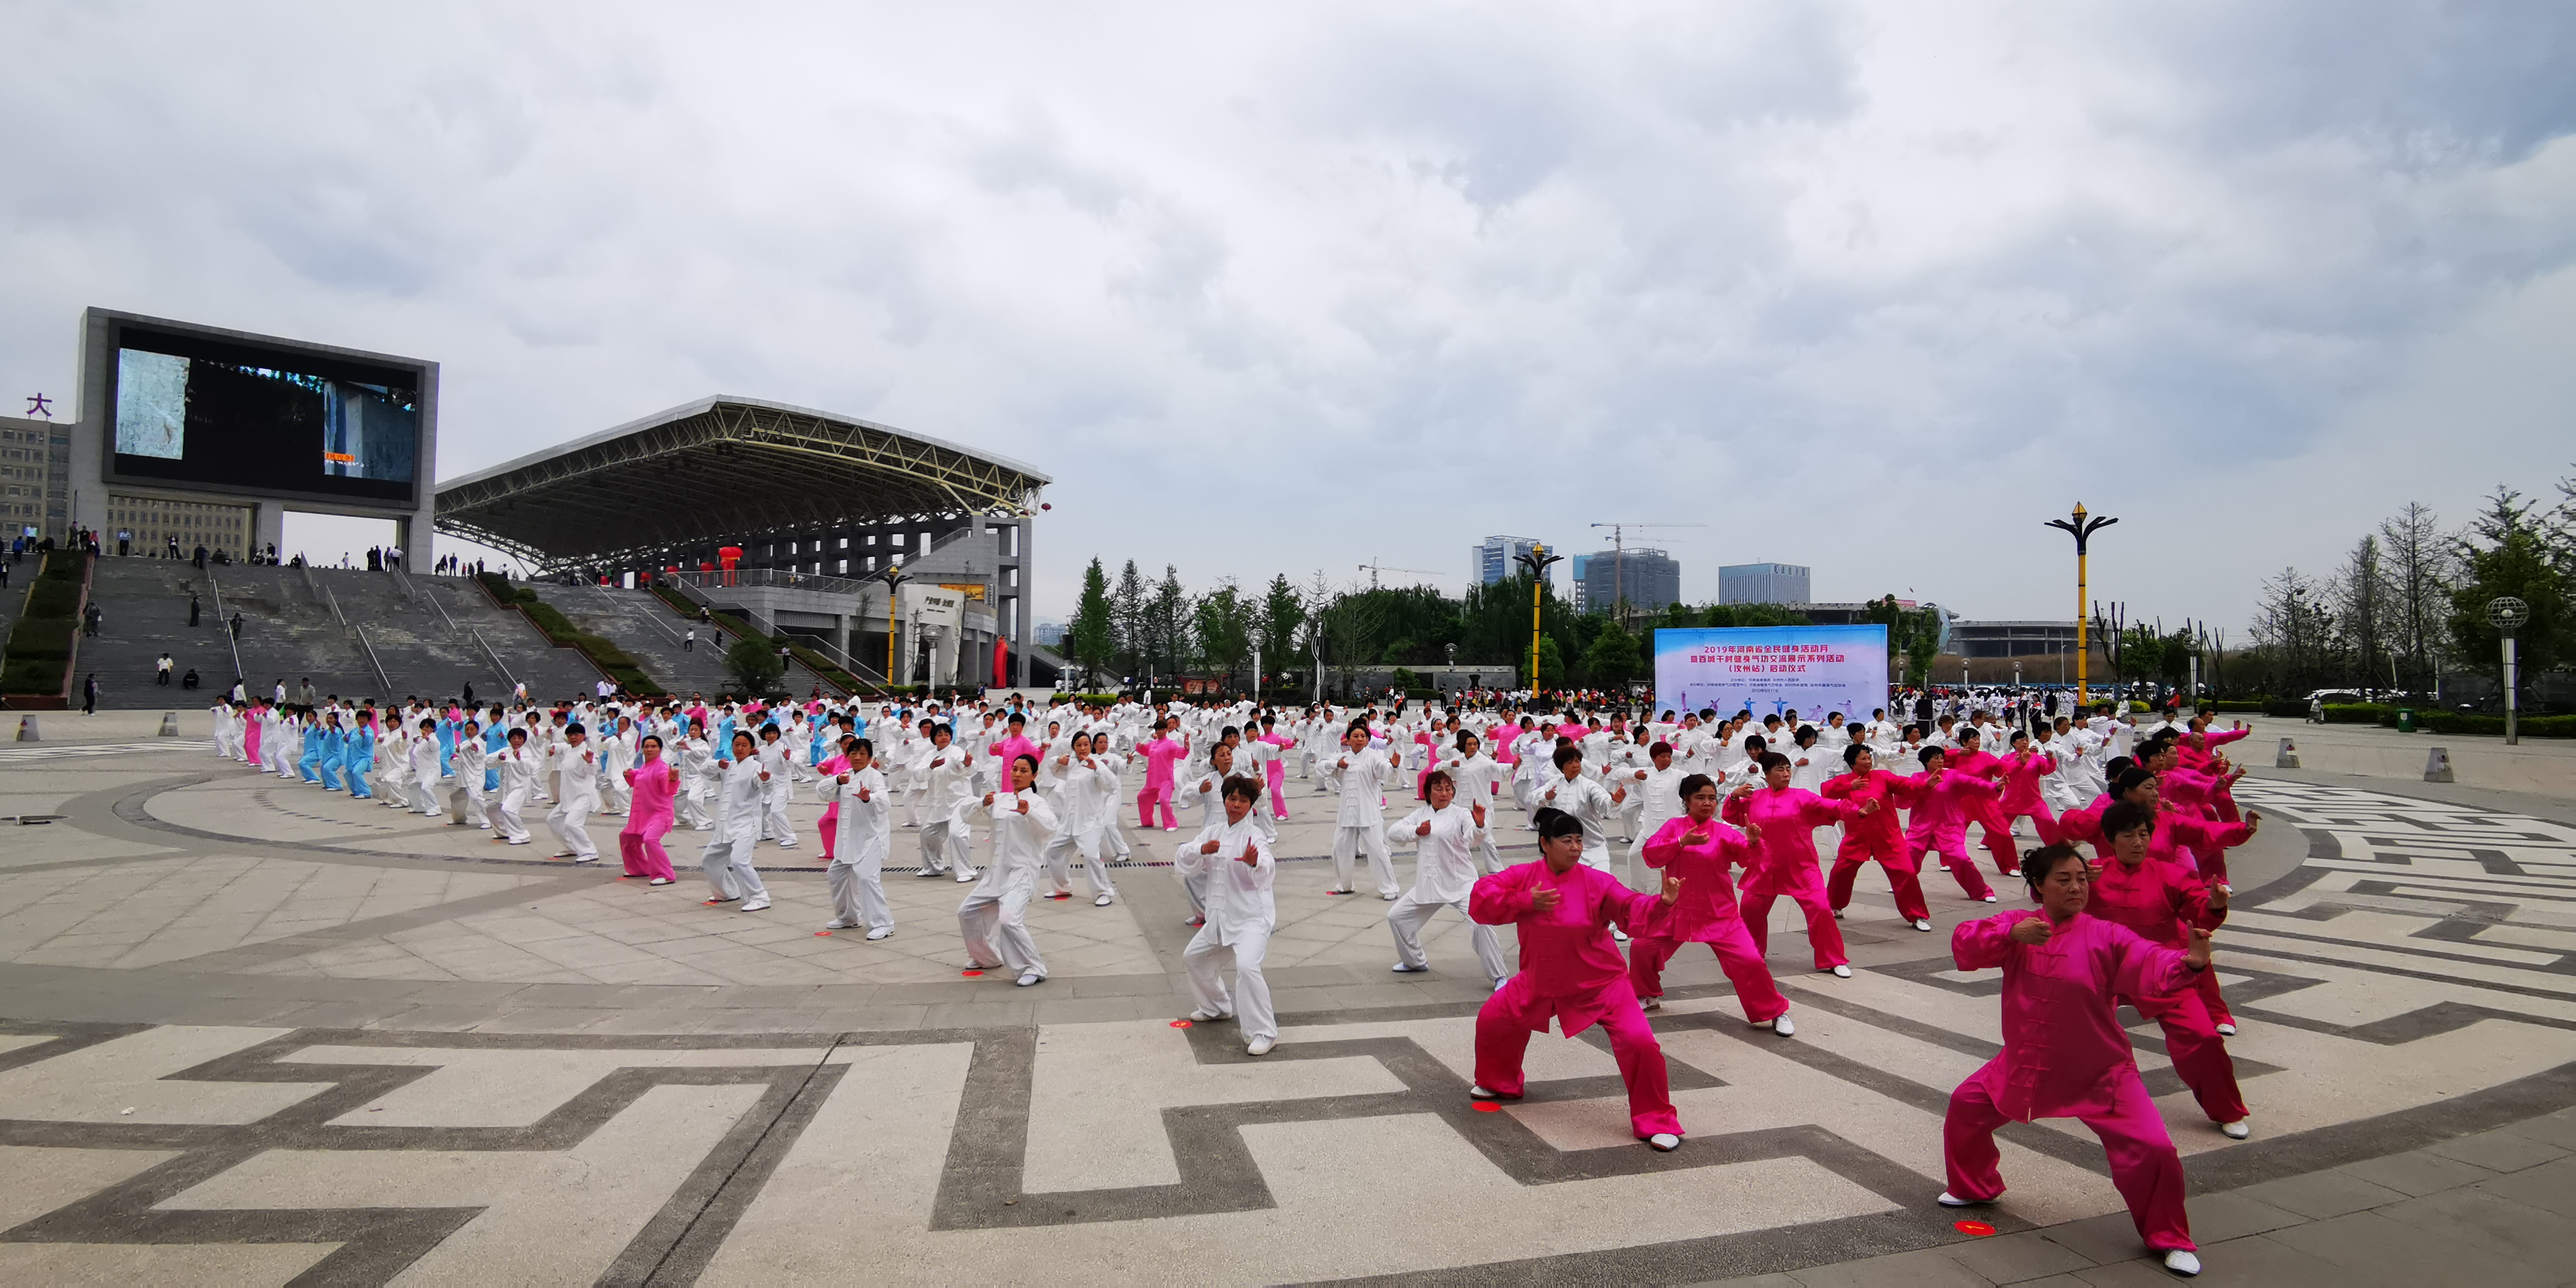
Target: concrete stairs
{"type": "Point", "coordinates": [549, 672]}
{"type": "Point", "coordinates": [287, 633]}
{"type": "Point", "coordinates": [650, 632]}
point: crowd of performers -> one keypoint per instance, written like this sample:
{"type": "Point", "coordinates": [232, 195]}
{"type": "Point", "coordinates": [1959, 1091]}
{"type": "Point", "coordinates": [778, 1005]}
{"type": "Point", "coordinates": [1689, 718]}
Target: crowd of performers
{"type": "Point", "coordinates": [1640, 827]}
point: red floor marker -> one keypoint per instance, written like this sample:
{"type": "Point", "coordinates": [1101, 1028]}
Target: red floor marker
{"type": "Point", "coordinates": [1488, 1107]}
{"type": "Point", "coordinates": [970, 973]}
{"type": "Point", "coordinates": [822, 932]}
{"type": "Point", "coordinates": [1977, 1228]}
{"type": "Point", "coordinates": [1180, 1024]}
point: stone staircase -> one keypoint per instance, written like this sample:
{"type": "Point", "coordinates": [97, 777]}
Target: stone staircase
{"type": "Point", "coordinates": [650, 632]}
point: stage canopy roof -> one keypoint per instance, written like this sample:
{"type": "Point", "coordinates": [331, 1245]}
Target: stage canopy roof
{"type": "Point", "coordinates": [721, 469]}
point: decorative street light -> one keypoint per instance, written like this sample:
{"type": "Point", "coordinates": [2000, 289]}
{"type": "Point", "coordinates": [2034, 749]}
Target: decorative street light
{"type": "Point", "coordinates": [2082, 529]}
{"type": "Point", "coordinates": [1536, 559]}
{"type": "Point", "coordinates": [2507, 613]}
{"type": "Point", "coordinates": [893, 576]}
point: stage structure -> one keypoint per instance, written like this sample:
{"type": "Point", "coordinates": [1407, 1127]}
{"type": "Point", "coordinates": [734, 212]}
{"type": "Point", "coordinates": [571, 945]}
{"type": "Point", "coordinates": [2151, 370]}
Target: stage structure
{"type": "Point", "coordinates": [819, 507]}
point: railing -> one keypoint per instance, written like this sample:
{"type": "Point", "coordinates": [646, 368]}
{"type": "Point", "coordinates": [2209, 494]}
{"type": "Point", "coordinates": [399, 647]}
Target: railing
{"type": "Point", "coordinates": [654, 618]}
{"type": "Point", "coordinates": [772, 577]}
{"type": "Point", "coordinates": [696, 593]}
{"type": "Point", "coordinates": [223, 622]}
{"type": "Point", "coordinates": [432, 596]}
{"type": "Point", "coordinates": [495, 656]}
{"type": "Point", "coordinates": [402, 581]}
{"type": "Point", "coordinates": [368, 648]}
{"type": "Point", "coordinates": [311, 587]}
{"type": "Point", "coordinates": [336, 614]}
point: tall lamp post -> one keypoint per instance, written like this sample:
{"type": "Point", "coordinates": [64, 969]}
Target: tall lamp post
{"type": "Point", "coordinates": [2082, 529]}
{"type": "Point", "coordinates": [1536, 559]}
{"type": "Point", "coordinates": [893, 577]}
{"type": "Point", "coordinates": [2507, 613]}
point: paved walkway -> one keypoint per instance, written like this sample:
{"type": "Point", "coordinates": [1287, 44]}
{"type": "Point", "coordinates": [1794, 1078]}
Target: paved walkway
{"type": "Point", "coordinates": [256, 1032]}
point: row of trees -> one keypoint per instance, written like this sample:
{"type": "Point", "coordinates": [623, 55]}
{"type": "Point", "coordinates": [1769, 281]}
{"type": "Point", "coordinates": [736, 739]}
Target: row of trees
{"type": "Point", "coordinates": [2409, 601]}
{"type": "Point", "coordinates": [1140, 627]}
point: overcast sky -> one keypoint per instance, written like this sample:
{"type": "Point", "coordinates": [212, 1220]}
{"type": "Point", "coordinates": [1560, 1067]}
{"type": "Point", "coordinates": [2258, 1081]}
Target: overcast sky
{"type": "Point", "coordinates": [1873, 288]}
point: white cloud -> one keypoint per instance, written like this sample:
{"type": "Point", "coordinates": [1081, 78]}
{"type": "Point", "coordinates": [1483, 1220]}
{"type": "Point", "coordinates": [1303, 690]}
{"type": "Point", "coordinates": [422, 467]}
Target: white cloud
{"type": "Point", "coordinates": [1874, 287]}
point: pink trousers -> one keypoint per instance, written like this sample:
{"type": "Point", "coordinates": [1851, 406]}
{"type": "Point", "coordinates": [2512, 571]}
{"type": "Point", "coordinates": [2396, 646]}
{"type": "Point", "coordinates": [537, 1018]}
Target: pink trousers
{"type": "Point", "coordinates": [829, 830]}
{"type": "Point", "coordinates": [1952, 846]}
{"type": "Point", "coordinates": [2197, 1052]}
{"type": "Point", "coordinates": [1736, 955]}
{"type": "Point", "coordinates": [2144, 1167]}
{"type": "Point", "coordinates": [1145, 801]}
{"type": "Point", "coordinates": [643, 855]}
{"type": "Point", "coordinates": [1858, 850]}
{"type": "Point", "coordinates": [1277, 772]}
{"type": "Point", "coordinates": [1503, 1028]}
{"type": "Point", "coordinates": [1823, 931]}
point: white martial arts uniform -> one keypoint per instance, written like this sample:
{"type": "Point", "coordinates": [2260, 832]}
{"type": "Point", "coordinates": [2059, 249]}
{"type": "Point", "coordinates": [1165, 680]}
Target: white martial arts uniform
{"type": "Point", "coordinates": [1444, 871]}
{"type": "Point", "coordinates": [518, 768]}
{"type": "Point", "coordinates": [1087, 797]}
{"type": "Point", "coordinates": [727, 857]}
{"type": "Point", "coordinates": [993, 920]}
{"type": "Point", "coordinates": [1359, 824]}
{"type": "Point", "coordinates": [1240, 916]}
{"type": "Point", "coordinates": [579, 787]}
{"type": "Point", "coordinates": [857, 874]}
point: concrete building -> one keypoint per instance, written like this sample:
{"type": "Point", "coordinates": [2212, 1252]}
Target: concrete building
{"type": "Point", "coordinates": [1762, 583]}
{"type": "Point", "coordinates": [1646, 578]}
{"type": "Point", "coordinates": [2010, 639]}
{"type": "Point", "coordinates": [1494, 559]}
{"type": "Point", "coordinates": [35, 469]}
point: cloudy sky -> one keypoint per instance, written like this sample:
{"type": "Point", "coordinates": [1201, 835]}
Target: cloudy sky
{"type": "Point", "coordinates": [1873, 288]}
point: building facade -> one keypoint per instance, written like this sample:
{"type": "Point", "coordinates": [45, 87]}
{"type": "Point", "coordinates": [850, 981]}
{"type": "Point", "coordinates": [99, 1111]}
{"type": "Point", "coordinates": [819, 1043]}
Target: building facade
{"type": "Point", "coordinates": [1762, 583]}
{"type": "Point", "coordinates": [35, 471]}
{"type": "Point", "coordinates": [1495, 559]}
{"type": "Point", "coordinates": [1647, 579]}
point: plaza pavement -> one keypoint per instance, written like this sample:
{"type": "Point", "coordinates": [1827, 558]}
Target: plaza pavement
{"type": "Point", "coordinates": [252, 1032]}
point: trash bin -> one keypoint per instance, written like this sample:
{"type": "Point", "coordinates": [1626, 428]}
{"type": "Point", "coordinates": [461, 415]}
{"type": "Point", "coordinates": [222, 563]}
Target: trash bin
{"type": "Point", "coordinates": [2405, 719]}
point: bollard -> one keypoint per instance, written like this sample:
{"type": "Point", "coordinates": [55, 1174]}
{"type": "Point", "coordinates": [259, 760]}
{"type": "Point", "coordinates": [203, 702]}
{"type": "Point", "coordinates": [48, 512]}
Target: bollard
{"type": "Point", "coordinates": [169, 724]}
{"type": "Point", "coordinates": [2287, 757]}
{"type": "Point", "coordinates": [2437, 765]}
{"type": "Point", "coordinates": [27, 730]}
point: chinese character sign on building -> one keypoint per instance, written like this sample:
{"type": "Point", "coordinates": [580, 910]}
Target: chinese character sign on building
{"type": "Point", "coordinates": [1767, 669]}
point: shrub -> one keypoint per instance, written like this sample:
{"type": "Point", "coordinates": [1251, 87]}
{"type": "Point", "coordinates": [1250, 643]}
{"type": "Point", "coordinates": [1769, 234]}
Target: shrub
{"type": "Point", "coordinates": [2469, 722]}
{"type": "Point", "coordinates": [65, 565]}
{"type": "Point", "coordinates": [2286, 709]}
{"type": "Point", "coordinates": [754, 665]}
{"type": "Point", "coordinates": [49, 597]}
{"type": "Point", "coordinates": [41, 637]}
{"type": "Point", "coordinates": [557, 628]}
{"type": "Point", "coordinates": [2360, 713]}
{"type": "Point", "coordinates": [2240, 704]}
{"type": "Point", "coordinates": [32, 675]}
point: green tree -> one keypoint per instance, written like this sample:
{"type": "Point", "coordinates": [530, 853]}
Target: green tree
{"type": "Point", "coordinates": [1551, 663]}
{"type": "Point", "coordinates": [1093, 634]}
{"type": "Point", "coordinates": [753, 663]}
{"type": "Point", "coordinates": [1222, 621]}
{"type": "Point", "coordinates": [1167, 623]}
{"type": "Point", "coordinates": [1283, 611]}
{"type": "Point", "coordinates": [1913, 634]}
{"type": "Point", "coordinates": [1612, 660]}
{"type": "Point", "coordinates": [2507, 552]}
{"type": "Point", "coordinates": [1127, 609]}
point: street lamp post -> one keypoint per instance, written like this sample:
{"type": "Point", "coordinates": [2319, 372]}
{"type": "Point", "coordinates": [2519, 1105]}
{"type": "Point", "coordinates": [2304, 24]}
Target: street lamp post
{"type": "Point", "coordinates": [2082, 529]}
{"type": "Point", "coordinates": [2507, 613]}
{"type": "Point", "coordinates": [893, 577]}
{"type": "Point", "coordinates": [1535, 559]}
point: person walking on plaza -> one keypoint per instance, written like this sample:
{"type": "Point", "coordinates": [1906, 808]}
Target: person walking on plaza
{"type": "Point", "coordinates": [654, 784]}
{"type": "Point", "coordinates": [1571, 972]}
{"type": "Point", "coordinates": [2065, 1054]}
{"type": "Point", "coordinates": [1699, 849]}
{"type": "Point", "coordinates": [1232, 864]}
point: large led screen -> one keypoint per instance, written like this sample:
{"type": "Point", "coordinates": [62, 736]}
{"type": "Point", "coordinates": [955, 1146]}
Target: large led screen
{"type": "Point", "coordinates": [1769, 669]}
{"type": "Point", "coordinates": [201, 410]}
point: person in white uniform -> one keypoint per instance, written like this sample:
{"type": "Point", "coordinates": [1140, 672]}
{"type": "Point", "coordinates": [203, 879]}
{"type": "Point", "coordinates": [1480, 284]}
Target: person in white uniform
{"type": "Point", "coordinates": [424, 769]}
{"type": "Point", "coordinates": [727, 858]}
{"type": "Point", "coordinates": [1087, 787]}
{"type": "Point", "coordinates": [994, 918]}
{"type": "Point", "coordinates": [1446, 837]}
{"type": "Point", "coordinates": [518, 768]}
{"type": "Point", "coordinates": [1360, 774]}
{"type": "Point", "coordinates": [1657, 792]}
{"type": "Point", "coordinates": [1232, 860]}
{"type": "Point", "coordinates": [466, 805]}
{"type": "Point", "coordinates": [577, 764]}
{"type": "Point", "coordinates": [857, 874]}
{"type": "Point", "coordinates": [778, 761]}
{"type": "Point", "coordinates": [944, 771]}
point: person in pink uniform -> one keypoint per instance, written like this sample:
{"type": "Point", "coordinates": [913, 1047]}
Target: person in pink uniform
{"type": "Point", "coordinates": [1160, 753]}
{"type": "Point", "coordinates": [1877, 838]}
{"type": "Point", "coordinates": [1698, 849]}
{"type": "Point", "coordinates": [1976, 762]}
{"type": "Point", "coordinates": [656, 784]}
{"type": "Point", "coordinates": [837, 764]}
{"type": "Point", "coordinates": [1274, 771]}
{"type": "Point", "coordinates": [1013, 745]}
{"type": "Point", "coordinates": [1787, 818]}
{"type": "Point", "coordinates": [250, 735]}
{"type": "Point", "coordinates": [2065, 1054]}
{"type": "Point", "coordinates": [2160, 900]}
{"type": "Point", "coordinates": [1938, 823]}
{"type": "Point", "coordinates": [1571, 972]}
{"type": "Point", "coordinates": [2023, 767]}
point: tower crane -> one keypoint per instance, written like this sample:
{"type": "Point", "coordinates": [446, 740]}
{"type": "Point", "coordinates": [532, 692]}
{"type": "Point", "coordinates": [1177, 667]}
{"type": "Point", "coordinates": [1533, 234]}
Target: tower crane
{"type": "Point", "coordinates": [1373, 568]}
{"type": "Point", "coordinates": [1618, 551]}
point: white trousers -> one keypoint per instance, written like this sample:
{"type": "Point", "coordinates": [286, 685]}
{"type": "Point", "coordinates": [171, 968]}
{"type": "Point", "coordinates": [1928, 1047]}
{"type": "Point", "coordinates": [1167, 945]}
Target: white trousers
{"type": "Point", "coordinates": [944, 845]}
{"type": "Point", "coordinates": [1250, 1001]}
{"type": "Point", "coordinates": [1348, 843]}
{"type": "Point", "coordinates": [858, 892]}
{"type": "Point", "coordinates": [1406, 919]}
{"type": "Point", "coordinates": [728, 868]}
{"type": "Point", "coordinates": [1095, 868]}
{"type": "Point", "coordinates": [996, 929]}
{"type": "Point", "coordinates": [503, 813]}
{"type": "Point", "coordinates": [566, 819]}
{"type": "Point", "coordinates": [693, 809]}
{"type": "Point", "coordinates": [465, 804]}
{"type": "Point", "coordinates": [773, 820]}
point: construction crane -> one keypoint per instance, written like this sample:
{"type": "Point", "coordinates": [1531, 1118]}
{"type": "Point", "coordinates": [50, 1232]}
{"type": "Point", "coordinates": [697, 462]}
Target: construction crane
{"type": "Point", "coordinates": [1618, 551]}
{"type": "Point", "coordinates": [1373, 568]}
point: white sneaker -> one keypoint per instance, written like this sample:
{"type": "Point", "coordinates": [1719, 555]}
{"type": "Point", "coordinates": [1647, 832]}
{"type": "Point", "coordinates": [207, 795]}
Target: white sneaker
{"type": "Point", "coordinates": [1952, 1200]}
{"type": "Point", "coordinates": [2182, 1263]}
{"type": "Point", "coordinates": [2227, 1030]}
{"type": "Point", "coordinates": [1479, 1093]}
{"type": "Point", "coordinates": [587, 858]}
{"type": "Point", "coordinates": [659, 881]}
{"type": "Point", "coordinates": [1401, 969]}
{"type": "Point", "coordinates": [1783, 1027]}
{"type": "Point", "coordinates": [1205, 1016]}
{"type": "Point", "coordinates": [1650, 1004]}
{"type": "Point", "coordinates": [1663, 1142]}
{"type": "Point", "coordinates": [927, 872]}
{"type": "Point", "coordinates": [880, 932]}
{"type": "Point", "coordinates": [753, 905]}
{"type": "Point", "coordinates": [1030, 978]}
{"type": "Point", "coordinates": [1842, 972]}
{"type": "Point", "coordinates": [1990, 898]}
{"type": "Point", "coordinates": [1259, 1046]}
{"type": "Point", "coordinates": [1922, 923]}
{"type": "Point", "coordinates": [1498, 984]}
{"type": "Point", "coordinates": [964, 878]}
{"type": "Point", "coordinates": [838, 924]}
{"type": "Point", "coordinates": [1618, 934]}
{"type": "Point", "coordinates": [1101, 902]}
{"type": "Point", "coordinates": [2237, 1130]}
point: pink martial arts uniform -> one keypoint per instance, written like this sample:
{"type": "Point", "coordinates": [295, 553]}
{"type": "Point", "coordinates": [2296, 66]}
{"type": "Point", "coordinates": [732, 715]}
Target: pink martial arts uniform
{"type": "Point", "coordinates": [2022, 772]}
{"type": "Point", "coordinates": [639, 843]}
{"type": "Point", "coordinates": [1705, 914]}
{"type": "Point", "coordinates": [1571, 971]}
{"type": "Point", "coordinates": [250, 734]}
{"type": "Point", "coordinates": [2157, 900]}
{"type": "Point", "coordinates": [1987, 811]}
{"type": "Point", "coordinates": [2066, 1056]}
{"type": "Point", "coordinates": [831, 829]}
{"type": "Point", "coordinates": [1878, 838]}
{"type": "Point", "coordinates": [1788, 865]}
{"type": "Point", "coordinates": [1274, 771]}
{"type": "Point", "coordinates": [1159, 756]}
{"type": "Point", "coordinates": [1938, 824]}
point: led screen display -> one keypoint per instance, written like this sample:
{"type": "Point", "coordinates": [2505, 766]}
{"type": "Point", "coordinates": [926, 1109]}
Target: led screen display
{"type": "Point", "coordinates": [203, 410]}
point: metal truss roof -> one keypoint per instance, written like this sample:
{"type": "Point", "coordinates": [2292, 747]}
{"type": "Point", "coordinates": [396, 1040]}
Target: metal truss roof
{"type": "Point", "coordinates": [721, 469]}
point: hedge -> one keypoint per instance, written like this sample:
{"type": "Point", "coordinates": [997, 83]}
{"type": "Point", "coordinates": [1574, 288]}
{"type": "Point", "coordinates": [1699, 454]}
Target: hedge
{"type": "Point", "coordinates": [2474, 723]}
{"type": "Point", "coordinates": [2241, 704]}
{"type": "Point", "coordinates": [50, 597]}
{"type": "Point", "coordinates": [560, 632]}
{"type": "Point", "coordinates": [2360, 713]}
{"type": "Point", "coordinates": [2286, 709]}
{"type": "Point", "coordinates": [41, 637]}
{"type": "Point", "coordinates": [65, 565]}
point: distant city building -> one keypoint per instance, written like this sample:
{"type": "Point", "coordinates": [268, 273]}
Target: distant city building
{"type": "Point", "coordinates": [1849, 614]}
{"type": "Point", "coordinates": [1494, 560]}
{"type": "Point", "coordinates": [1049, 632]}
{"type": "Point", "coordinates": [1761, 583]}
{"type": "Point", "coordinates": [2010, 639]}
{"type": "Point", "coordinates": [1576, 566]}
{"type": "Point", "coordinates": [1646, 578]}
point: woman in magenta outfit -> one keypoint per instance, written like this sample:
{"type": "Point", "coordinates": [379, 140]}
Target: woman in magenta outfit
{"type": "Point", "coordinates": [832, 768]}
{"type": "Point", "coordinates": [656, 784]}
{"type": "Point", "coordinates": [1572, 972]}
{"type": "Point", "coordinates": [1699, 849]}
{"type": "Point", "coordinates": [1788, 818]}
{"type": "Point", "coordinates": [2065, 1054]}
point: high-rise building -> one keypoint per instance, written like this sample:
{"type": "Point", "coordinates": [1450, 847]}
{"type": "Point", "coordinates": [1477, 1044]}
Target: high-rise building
{"type": "Point", "coordinates": [1648, 579]}
{"type": "Point", "coordinates": [1761, 583]}
{"type": "Point", "coordinates": [1494, 560]}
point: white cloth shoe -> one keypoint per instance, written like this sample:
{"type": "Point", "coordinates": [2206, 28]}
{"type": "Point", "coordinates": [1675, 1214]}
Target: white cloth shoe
{"type": "Point", "coordinates": [2237, 1130]}
{"type": "Point", "coordinates": [1101, 902]}
{"type": "Point", "coordinates": [1663, 1142]}
{"type": "Point", "coordinates": [1259, 1046]}
{"type": "Point", "coordinates": [1990, 898]}
{"type": "Point", "coordinates": [1842, 972]}
{"type": "Point", "coordinates": [1031, 978]}
{"type": "Point", "coordinates": [880, 932]}
{"type": "Point", "coordinates": [1952, 1200]}
{"type": "Point", "coordinates": [753, 905]}
{"type": "Point", "coordinates": [2227, 1030]}
{"type": "Point", "coordinates": [1401, 969]}
{"type": "Point", "coordinates": [838, 924]}
{"type": "Point", "coordinates": [2182, 1263]}
{"type": "Point", "coordinates": [1784, 1027]}
{"type": "Point", "coordinates": [1922, 923]}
